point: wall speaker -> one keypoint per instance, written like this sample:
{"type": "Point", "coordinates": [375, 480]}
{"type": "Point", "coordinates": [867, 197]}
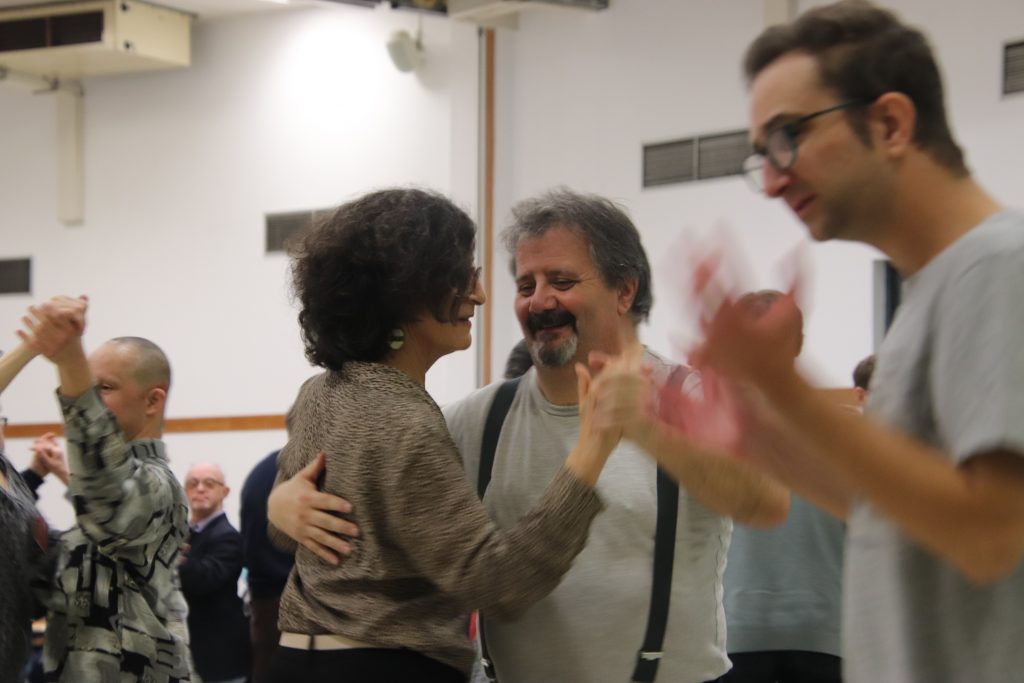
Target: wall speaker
{"type": "Point", "coordinates": [406, 52]}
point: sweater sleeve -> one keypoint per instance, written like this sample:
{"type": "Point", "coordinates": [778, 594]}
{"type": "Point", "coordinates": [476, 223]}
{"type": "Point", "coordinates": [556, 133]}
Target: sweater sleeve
{"type": "Point", "coordinates": [33, 481]}
{"type": "Point", "coordinates": [124, 494]}
{"type": "Point", "coordinates": [434, 515]}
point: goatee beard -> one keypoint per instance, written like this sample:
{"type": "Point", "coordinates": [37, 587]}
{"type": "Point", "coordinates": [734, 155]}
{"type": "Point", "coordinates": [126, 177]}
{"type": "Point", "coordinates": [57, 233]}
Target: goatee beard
{"type": "Point", "coordinates": [552, 356]}
{"type": "Point", "coordinates": [557, 356]}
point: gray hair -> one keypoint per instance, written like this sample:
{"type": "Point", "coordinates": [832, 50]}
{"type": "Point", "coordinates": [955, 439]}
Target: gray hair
{"type": "Point", "coordinates": [613, 240]}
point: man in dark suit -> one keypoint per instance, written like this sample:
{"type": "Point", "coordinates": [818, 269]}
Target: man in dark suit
{"type": "Point", "coordinates": [217, 624]}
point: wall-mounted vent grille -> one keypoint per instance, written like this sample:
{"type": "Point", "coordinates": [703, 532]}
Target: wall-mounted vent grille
{"type": "Point", "coordinates": [706, 156]}
{"type": "Point", "coordinates": [1013, 68]}
{"type": "Point", "coordinates": [282, 226]}
{"type": "Point", "coordinates": [43, 32]}
{"type": "Point", "coordinates": [722, 155]}
{"type": "Point", "coordinates": [16, 276]}
{"type": "Point", "coordinates": [670, 162]}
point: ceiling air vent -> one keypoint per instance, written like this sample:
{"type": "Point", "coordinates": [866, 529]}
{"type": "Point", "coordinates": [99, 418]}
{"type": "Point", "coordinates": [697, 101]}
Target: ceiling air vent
{"type": "Point", "coordinates": [16, 276]}
{"type": "Point", "coordinates": [670, 162]}
{"type": "Point", "coordinates": [70, 40]}
{"type": "Point", "coordinates": [715, 155]}
{"type": "Point", "coordinates": [722, 155]}
{"type": "Point", "coordinates": [505, 12]}
{"type": "Point", "coordinates": [1013, 68]}
{"type": "Point", "coordinates": [281, 226]}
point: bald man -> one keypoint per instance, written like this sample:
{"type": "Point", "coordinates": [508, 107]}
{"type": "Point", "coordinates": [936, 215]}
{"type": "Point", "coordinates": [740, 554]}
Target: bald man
{"type": "Point", "coordinates": [209, 578]}
{"type": "Point", "coordinates": [118, 613]}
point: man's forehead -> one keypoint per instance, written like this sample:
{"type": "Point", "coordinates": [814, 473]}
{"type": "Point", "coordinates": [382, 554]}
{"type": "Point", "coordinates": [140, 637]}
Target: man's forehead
{"type": "Point", "coordinates": [559, 249]}
{"type": "Point", "coordinates": [205, 470]}
{"type": "Point", "coordinates": [788, 87]}
{"type": "Point", "coordinates": [105, 365]}
{"type": "Point", "coordinates": [114, 354]}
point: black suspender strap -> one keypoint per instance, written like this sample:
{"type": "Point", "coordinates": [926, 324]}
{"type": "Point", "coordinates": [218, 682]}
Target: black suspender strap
{"type": "Point", "coordinates": [649, 656]}
{"type": "Point", "coordinates": [492, 430]}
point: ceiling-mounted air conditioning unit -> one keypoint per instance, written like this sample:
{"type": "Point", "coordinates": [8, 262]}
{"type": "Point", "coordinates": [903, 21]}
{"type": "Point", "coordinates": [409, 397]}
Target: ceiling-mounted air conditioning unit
{"type": "Point", "coordinates": [504, 12]}
{"type": "Point", "coordinates": [93, 38]}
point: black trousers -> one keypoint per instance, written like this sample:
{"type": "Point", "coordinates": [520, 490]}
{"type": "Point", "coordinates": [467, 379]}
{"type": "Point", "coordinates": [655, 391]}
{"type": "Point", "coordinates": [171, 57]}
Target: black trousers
{"type": "Point", "coordinates": [371, 665]}
{"type": "Point", "coordinates": [264, 636]}
{"type": "Point", "coordinates": [783, 666]}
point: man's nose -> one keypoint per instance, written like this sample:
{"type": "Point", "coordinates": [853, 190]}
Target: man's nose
{"type": "Point", "coordinates": [543, 299]}
{"type": "Point", "coordinates": [775, 181]}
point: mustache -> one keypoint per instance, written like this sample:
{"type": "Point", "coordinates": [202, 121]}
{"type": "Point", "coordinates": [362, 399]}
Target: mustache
{"type": "Point", "coordinates": [545, 319]}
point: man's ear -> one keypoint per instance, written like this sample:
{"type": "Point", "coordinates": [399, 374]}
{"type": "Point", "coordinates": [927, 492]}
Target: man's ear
{"type": "Point", "coordinates": [626, 295]}
{"type": "Point", "coordinates": [155, 400]}
{"type": "Point", "coordinates": [893, 121]}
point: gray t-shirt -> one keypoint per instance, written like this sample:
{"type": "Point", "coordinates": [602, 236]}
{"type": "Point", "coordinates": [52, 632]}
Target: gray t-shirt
{"type": "Point", "coordinates": [783, 586]}
{"type": "Point", "coordinates": [950, 373]}
{"type": "Point", "coordinates": [591, 626]}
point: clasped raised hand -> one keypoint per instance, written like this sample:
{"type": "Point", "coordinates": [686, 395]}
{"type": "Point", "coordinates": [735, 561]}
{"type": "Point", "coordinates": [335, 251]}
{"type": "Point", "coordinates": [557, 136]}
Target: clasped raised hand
{"type": "Point", "coordinates": [50, 327]}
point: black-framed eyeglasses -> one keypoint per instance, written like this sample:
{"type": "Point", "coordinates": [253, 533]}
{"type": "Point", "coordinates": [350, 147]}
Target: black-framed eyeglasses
{"type": "Point", "coordinates": [780, 145]}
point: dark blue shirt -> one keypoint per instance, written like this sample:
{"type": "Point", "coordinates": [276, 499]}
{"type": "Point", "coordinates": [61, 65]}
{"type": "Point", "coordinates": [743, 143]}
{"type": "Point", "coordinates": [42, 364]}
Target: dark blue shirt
{"type": "Point", "coordinates": [268, 566]}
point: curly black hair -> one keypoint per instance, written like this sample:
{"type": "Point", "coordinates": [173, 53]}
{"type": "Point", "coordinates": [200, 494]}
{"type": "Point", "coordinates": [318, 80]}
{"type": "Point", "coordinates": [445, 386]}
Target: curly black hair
{"type": "Point", "coordinates": [376, 263]}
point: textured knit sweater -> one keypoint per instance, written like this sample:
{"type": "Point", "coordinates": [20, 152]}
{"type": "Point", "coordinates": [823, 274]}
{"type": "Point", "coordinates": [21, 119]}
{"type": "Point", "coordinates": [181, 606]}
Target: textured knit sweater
{"type": "Point", "coordinates": [118, 613]}
{"type": "Point", "coordinates": [428, 552]}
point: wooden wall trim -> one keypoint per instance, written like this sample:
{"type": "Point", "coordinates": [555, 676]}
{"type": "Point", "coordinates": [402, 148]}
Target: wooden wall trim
{"type": "Point", "coordinates": [488, 203]}
{"type": "Point", "coordinates": [244, 423]}
{"type": "Point", "coordinates": [231, 423]}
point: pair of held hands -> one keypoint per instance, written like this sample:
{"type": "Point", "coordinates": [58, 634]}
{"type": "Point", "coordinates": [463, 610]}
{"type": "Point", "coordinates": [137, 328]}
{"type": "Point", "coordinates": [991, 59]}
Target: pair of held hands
{"type": "Point", "coordinates": [52, 327]}
{"type": "Point", "coordinates": [48, 458]}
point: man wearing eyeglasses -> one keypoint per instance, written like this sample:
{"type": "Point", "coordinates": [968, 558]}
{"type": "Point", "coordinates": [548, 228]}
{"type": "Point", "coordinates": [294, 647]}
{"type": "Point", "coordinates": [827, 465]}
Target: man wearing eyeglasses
{"type": "Point", "coordinates": [848, 120]}
{"type": "Point", "coordinates": [217, 624]}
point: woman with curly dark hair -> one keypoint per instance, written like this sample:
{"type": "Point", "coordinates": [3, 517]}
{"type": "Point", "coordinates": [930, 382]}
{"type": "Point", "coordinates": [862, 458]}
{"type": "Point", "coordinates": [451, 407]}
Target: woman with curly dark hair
{"type": "Point", "coordinates": [387, 286]}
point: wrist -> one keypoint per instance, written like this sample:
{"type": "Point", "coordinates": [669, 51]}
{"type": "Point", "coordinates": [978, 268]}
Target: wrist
{"type": "Point", "coordinates": [586, 462]}
{"type": "Point", "coordinates": [71, 355]}
{"type": "Point", "coordinates": [73, 368]}
{"type": "Point", "coordinates": [644, 431]}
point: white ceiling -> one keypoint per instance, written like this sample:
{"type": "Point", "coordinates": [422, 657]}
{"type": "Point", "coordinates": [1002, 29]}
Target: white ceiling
{"type": "Point", "coordinates": [203, 9]}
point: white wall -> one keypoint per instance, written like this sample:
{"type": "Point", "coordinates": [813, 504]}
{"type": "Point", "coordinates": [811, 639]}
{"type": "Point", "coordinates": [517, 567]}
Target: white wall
{"type": "Point", "coordinates": [279, 111]}
{"type": "Point", "coordinates": [580, 93]}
